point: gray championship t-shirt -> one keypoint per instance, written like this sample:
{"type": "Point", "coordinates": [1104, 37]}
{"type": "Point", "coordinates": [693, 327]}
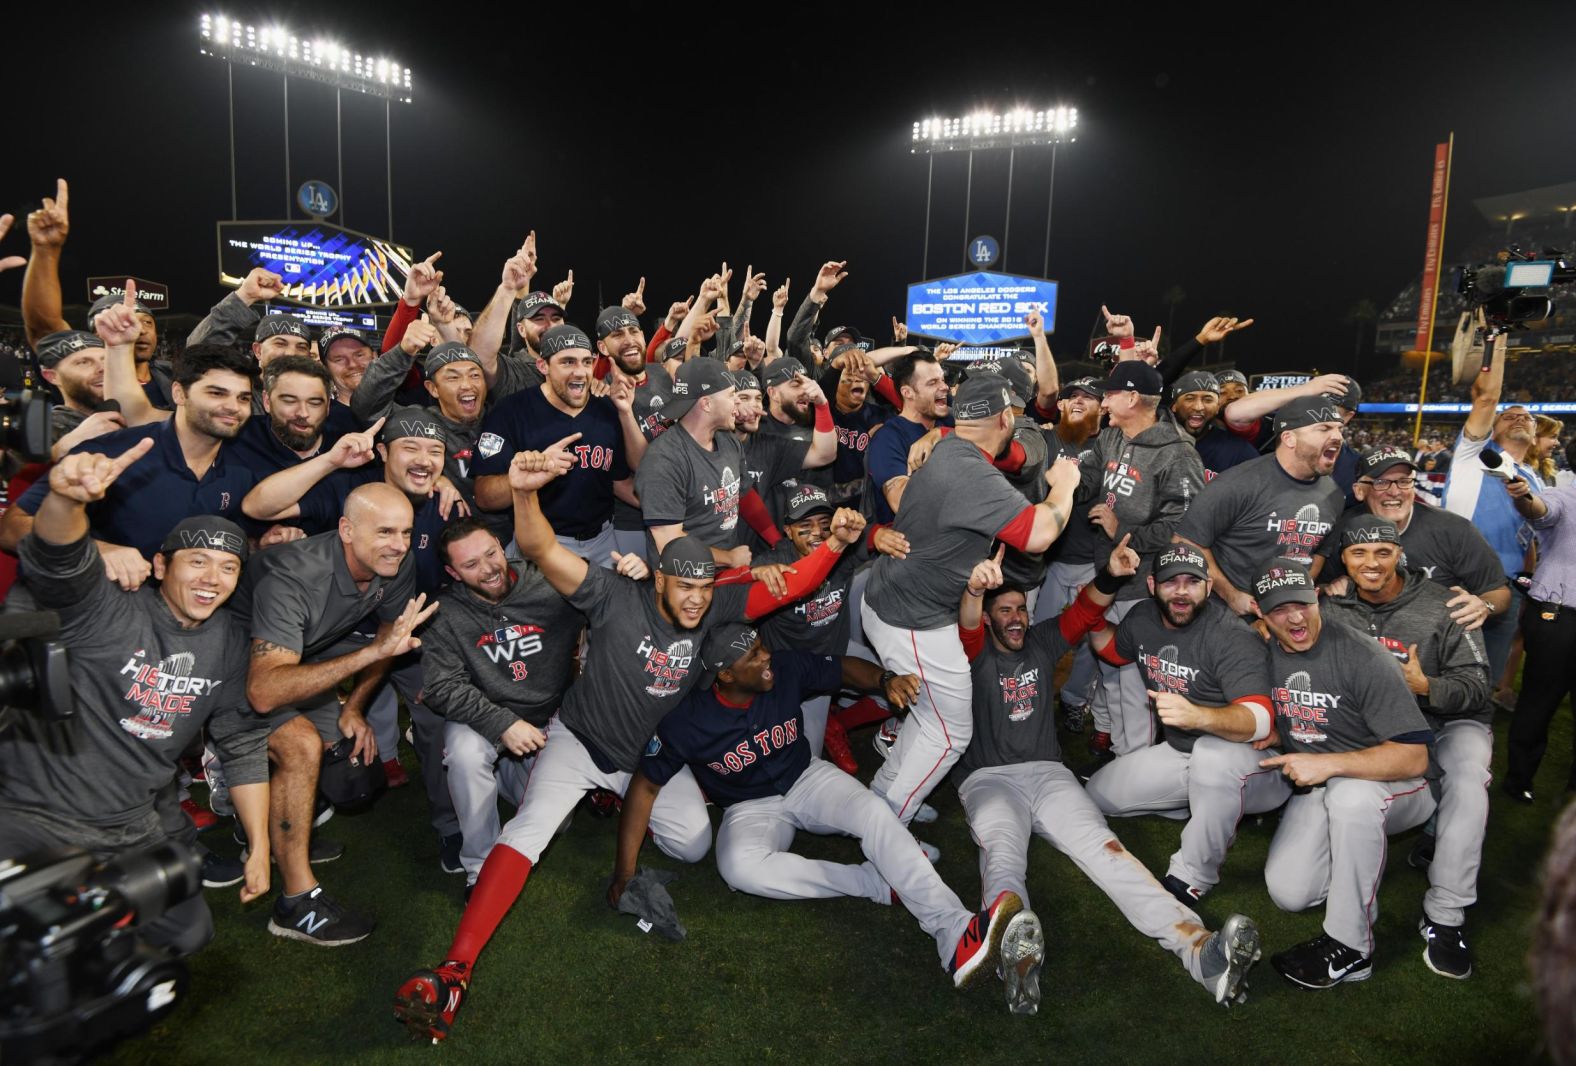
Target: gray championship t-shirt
{"type": "Point", "coordinates": [1445, 547]}
{"type": "Point", "coordinates": [1013, 700]}
{"type": "Point", "coordinates": [1214, 661]}
{"type": "Point", "coordinates": [301, 595]}
{"type": "Point", "coordinates": [651, 396]}
{"type": "Point", "coordinates": [1257, 512]}
{"type": "Point", "coordinates": [953, 508]}
{"type": "Point", "coordinates": [488, 665]}
{"type": "Point", "coordinates": [639, 665]}
{"type": "Point", "coordinates": [820, 622]}
{"type": "Point", "coordinates": [681, 483]}
{"type": "Point", "coordinates": [1344, 694]}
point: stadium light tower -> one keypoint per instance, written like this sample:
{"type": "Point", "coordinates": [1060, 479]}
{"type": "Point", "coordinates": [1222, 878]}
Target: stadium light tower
{"type": "Point", "coordinates": [983, 130]}
{"type": "Point", "coordinates": [275, 48]}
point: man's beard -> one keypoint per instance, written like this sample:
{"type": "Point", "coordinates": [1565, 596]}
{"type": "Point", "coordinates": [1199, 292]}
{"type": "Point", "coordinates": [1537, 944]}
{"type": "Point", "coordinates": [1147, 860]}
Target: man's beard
{"type": "Point", "coordinates": [805, 417]}
{"type": "Point", "coordinates": [295, 440]}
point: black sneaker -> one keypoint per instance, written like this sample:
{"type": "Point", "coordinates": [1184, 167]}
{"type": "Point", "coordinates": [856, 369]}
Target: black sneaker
{"type": "Point", "coordinates": [1422, 856]}
{"type": "Point", "coordinates": [1075, 716]}
{"type": "Point", "coordinates": [1185, 893]}
{"type": "Point", "coordinates": [1517, 792]}
{"type": "Point", "coordinates": [220, 871]}
{"type": "Point", "coordinates": [322, 810]}
{"type": "Point", "coordinates": [449, 854]}
{"type": "Point", "coordinates": [316, 919]}
{"type": "Point", "coordinates": [1447, 953]}
{"type": "Point", "coordinates": [1322, 962]}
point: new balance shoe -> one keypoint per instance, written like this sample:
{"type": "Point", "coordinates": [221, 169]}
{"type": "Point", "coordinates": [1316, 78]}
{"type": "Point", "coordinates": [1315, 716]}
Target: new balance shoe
{"type": "Point", "coordinates": [314, 918]}
{"type": "Point", "coordinates": [1022, 955]}
{"type": "Point", "coordinates": [429, 999]}
{"type": "Point", "coordinates": [1422, 855]}
{"type": "Point", "coordinates": [924, 814]}
{"type": "Point", "coordinates": [836, 748]}
{"type": "Point", "coordinates": [1185, 893]}
{"type": "Point", "coordinates": [220, 871]}
{"type": "Point", "coordinates": [979, 948]}
{"type": "Point", "coordinates": [449, 854]}
{"type": "Point", "coordinates": [1226, 958]}
{"type": "Point", "coordinates": [200, 816]}
{"type": "Point", "coordinates": [322, 810]}
{"type": "Point", "coordinates": [1519, 793]}
{"type": "Point", "coordinates": [1446, 952]}
{"type": "Point", "coordinates": [1322, 962]}
{"type": "Point", "coordinates": [885, 737]}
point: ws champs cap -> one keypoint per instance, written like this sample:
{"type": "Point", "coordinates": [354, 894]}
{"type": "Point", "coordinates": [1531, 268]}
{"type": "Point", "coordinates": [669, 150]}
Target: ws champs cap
{"type": "Point", "coordinates": [1180, 559]}
{"type": "Point", "coordinates": [1283, 581]}
{"type": "Point", "coordinates": [687, 557]}
{"type": "Point", "coordinates": [209, 532]}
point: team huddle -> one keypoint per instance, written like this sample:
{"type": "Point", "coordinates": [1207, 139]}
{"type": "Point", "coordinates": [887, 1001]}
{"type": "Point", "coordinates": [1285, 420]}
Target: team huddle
{"type": "Point", "coordinates": [671, 571]}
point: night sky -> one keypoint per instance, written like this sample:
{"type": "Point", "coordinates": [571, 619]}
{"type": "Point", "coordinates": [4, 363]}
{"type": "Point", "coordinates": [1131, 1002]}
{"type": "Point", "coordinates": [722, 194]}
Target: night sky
{"type": "Point", "coordinates": [1279, 176]}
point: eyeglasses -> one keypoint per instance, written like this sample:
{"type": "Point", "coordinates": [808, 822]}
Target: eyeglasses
{"type": "Point", "coordinates": [1393, 483]}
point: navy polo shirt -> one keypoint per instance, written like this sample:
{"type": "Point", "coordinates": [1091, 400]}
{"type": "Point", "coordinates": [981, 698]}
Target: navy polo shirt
{"type": "Point", "coordinates": [1220, 449]}
{"type": "Point", "coordinates": [743, 753]}
{"type": "Point", "coordinates": [157, 491]}
{"type": "Point", "coordinates": [257, 447]}
{"type": "Point", "coordinates": [579, 503]}
{"type": "Point", "coordinates": [321, 508]}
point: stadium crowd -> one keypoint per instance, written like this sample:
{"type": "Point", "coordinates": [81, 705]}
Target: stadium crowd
{"type": "Point", "coordinates": [671, 560]}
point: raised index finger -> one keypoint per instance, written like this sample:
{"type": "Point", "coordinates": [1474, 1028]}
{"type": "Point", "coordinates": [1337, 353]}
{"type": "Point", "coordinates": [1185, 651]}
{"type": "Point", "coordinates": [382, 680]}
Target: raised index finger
{"type": "Point", "coordinates": [1001, 553]}
{"type": "Point", "coordinates": [1125, 538]}
{"type": "Point", "coordinates": [62, 193]}
{"type": "Point", "coordinates": [372, 430]}
{"type": "Point", "coordinates": [130, 455]}
{"type": "Point", "coordinates": [564, 443]}
{"type": "Point", "coordinates": [130, 298]}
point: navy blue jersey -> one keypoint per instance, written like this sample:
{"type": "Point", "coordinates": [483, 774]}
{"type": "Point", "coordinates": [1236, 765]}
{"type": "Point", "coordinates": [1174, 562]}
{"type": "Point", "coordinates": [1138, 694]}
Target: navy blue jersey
{"type": "Point", "coordinates": [157, 491]}
{"type": "Point", "coordinates": [580, 503]}
{"type": "Point", "coordinates": [887, 458]}
{"type": "Point", "coordinates": [321, 508]}
{"type": "Point", "coordinates": [1220, 449]}
{"type": "Point", "coordinates": [743, 753]}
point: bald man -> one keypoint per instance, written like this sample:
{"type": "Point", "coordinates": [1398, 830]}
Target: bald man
{"type": "Point", "coordinates": [304, 599]}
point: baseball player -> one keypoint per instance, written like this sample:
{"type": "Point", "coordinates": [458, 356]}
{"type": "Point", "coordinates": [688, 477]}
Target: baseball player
{"type": "Point", "coordinates": [1446, 669]}
{"type": "Point", "coordinates": [1013, 783]}
{"type": "Point", "coordinates": [1356, 749]}
{"type": "Point", "coordinates": [640, 663]}
{"type": "Point", "coordinates": [1142, 474]}
{"type": "Point", "coordinates": [1279, 506]}
{"type": "Point", "coordinates": [961, 504]}
{"type": "Point", "coordinates": [1207, 673]}
{"type": "Point", "coordinates": [743, 738]}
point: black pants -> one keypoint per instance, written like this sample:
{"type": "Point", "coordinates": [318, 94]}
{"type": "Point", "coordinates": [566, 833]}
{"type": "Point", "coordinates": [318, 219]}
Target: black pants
{"type": "Point", "coordinates": [1548, 675]}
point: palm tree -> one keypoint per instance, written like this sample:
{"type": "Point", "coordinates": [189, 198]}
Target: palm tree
{"type": "Point", "coordinates": [1359, 315]}
{"type": "Point", "coordinates": [1172, 298]}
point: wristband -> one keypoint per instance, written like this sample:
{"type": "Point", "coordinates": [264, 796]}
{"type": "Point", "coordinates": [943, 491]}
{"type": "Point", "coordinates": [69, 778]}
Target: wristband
{"type": "Point", "coordinates": [1127, 342]}
{"type": "Point", "coordinates": [971, 592]}
{"type": "Point", "coordinates": [1107, 582]}
{"type": "Point", "coordinates": [823, 418]}
{"type": "Point", "coordinates": [1262, 722]}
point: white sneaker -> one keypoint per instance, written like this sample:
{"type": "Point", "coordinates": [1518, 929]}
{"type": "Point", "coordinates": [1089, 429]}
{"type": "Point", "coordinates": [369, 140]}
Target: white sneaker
{"type": "Point", "coordinates": [932, 852]}
{"type": "Point", "coordinates": [925, 814]}
{"type": "Point", "coordinates": [885, 737]}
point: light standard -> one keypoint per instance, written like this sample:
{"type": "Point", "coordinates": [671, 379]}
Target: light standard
{"type": "Point", "coordinates": [981, 130]}
{"type": "Point", "coordinates": [275, 48]}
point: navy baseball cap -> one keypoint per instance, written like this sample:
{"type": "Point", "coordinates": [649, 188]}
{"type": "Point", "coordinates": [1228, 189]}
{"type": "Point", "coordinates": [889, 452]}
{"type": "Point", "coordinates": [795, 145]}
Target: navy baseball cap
{"type": "Point", "coordinates": [1301, 414]}
{"type": "Point", "coordinates": [1232, 375]}
{"type": "Point", "coordinates": [533, 302]}
{"type": "Point", "coordinates": [696, 379]}
{"type": "Point", "coordinates": [1134, 375]}
{"type": "Point", "coordinates": [734, 348]}
{"type": "Point", "coordinates": [206, 531]}
{"type": "Point", "coordinates": [1180, 559]}
{"type": "Point", "coordinates": [564, 338]}
{"type": "Point", "coordinates": [1353, 397]}
{"type": "Point", "coordinates": [687, 557]}
{"type": "Point", "coordinates": [281, 324]}
{"type": "Point", "coordinates": [726, 644]}
{"type": "Point", "coordinates": [1283, 581]}
{"type": "Point", "coordinates": [781, 370]}
{"type": "Point", "coordinates": [744, 381]}
{"type": "Point", "coordinates": [411, 422]}
{"type": "Point", "coordinates": [333, 334]}
{"type": "Point", "coordinates": [1195, 381]}
{"type": "Point", "coordinates": [104, 303]}
{"type": "Point", "coordinates": [674, 348]}
{"type": "Point", "coordinates": [53, 347]}
{"type": "Point", "coordinates": [853, 335]}
{"type": "Point", "coordinates": [981, 396]}
{"type": "Point", "coordinates": [1369, 529]}
{"type": "Point", "coordinates": [1087, 386]}
{"type": "Point", "coordinates": [613, 319]}
{"type": "Point", "coordinates": [448, 352]}
{"type": "Point", "coordinates": [1015, 373]}
{"type": "Point", "coordinates": [1378, 460]}
{"type": "Point", "coordinates": [804, 501]}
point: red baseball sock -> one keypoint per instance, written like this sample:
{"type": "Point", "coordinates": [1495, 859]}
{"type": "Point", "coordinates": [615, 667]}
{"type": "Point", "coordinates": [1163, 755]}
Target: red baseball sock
{"type": "Point", "coordinates": [862, 711]}
{"type": "Point", "coordinates": [502, 878]}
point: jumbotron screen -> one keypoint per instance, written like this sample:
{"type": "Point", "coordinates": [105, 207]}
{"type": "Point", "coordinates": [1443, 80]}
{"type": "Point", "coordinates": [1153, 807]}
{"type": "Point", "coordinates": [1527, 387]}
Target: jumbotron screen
{"type": "Point", "coordinates": [322, 265]}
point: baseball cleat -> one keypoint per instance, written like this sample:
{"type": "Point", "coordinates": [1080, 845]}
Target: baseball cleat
{"type": "Point", "coordinates": [979, 948]}
{"type": "Point", "coordinates": [1322, 962]}
{"type": "Point", "coordinates": [932, 853]}
{"type": "Point", "coordinates": [885, 737]}
{"type": "Point", "coordinates": [924, 814]}
{"type": "Point", "coordinates": [836, 748]}
{"type": "Point", "coordinates": [1226, 958]}
{"type": "Point", "coordinates": [395, 773]}
{"type": "Point", "coordinates": [1447, 953]}
{"type": "Point", "coordinates": [1185, 893]}
{"type": "Point", "coordinates": [429, 999]}
{"type": "Point", "coordinates": [1022, 955]}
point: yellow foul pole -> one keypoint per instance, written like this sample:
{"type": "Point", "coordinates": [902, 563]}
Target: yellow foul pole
{"type": "Point", "coordinates": [1428, 346]}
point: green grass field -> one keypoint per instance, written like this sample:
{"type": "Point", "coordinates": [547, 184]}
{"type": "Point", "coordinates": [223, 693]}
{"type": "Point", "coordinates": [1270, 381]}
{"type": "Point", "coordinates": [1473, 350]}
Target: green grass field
{"type": "Point", "coordinates": [567, 980]}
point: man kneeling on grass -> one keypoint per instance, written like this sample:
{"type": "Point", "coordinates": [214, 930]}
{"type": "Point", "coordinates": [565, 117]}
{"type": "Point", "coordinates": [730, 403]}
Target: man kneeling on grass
{"type": "Point", "coordinates": [742, 736]}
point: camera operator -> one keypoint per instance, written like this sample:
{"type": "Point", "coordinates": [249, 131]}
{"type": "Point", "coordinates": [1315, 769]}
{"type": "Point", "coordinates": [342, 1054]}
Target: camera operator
{"type": "Point", "coordinates": [149, 669]}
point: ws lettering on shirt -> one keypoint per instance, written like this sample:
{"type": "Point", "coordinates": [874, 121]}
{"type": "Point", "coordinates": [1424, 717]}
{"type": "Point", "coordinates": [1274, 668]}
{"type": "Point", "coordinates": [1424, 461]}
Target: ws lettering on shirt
{"type": "Point", "coordinates": [740, 753]}
{"type": "Point", "coordinates": [1346, 693]}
